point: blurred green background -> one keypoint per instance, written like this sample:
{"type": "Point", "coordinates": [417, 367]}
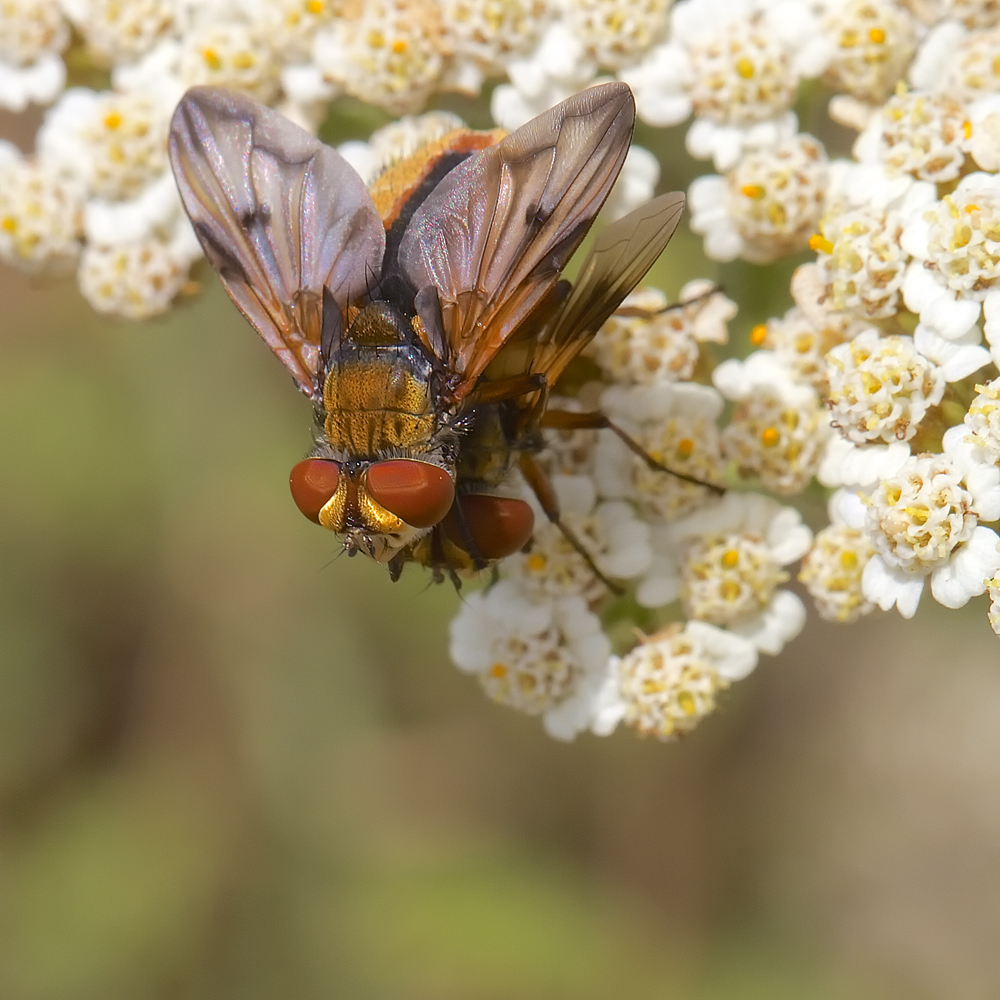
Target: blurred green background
{"type": "Point", "coordinates": [235, 766]}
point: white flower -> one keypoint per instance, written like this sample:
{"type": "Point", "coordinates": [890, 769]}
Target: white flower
{"type": "Point", "coordinates": [648, 341]}
{"type": "Point", "coordinates": [288, 26]}
{"type": "Point", "coordinates": [972, 13]}
{"type": "Point", "coordinates": [924, 522]}
{"type": "Point", "coordinates": [40, 215]}
{"type": "Point", "coordinates": [676, 425]}
{"type": "Point", "coordinates": [115, 144]}
{"type": "Point", "coordinates": [541, 656]}
{"type": "Point", "coordinates": [809, 290]}
{"type": "Point", "coordinates": [779, 428]}
{"type": "Point", "coordinates": [872, 41]}
{"type": "Point", "coordinates": [482, 34]}
{"type": "Point", "coordinates": [30, 29]}
{"type": "Point", "coordinates": [737, 66]}
{"type": "Point", "coordinates": [766, 207]}
{"type": "Point", "coordinates": [668, 683]}
{"type": "Point", "coordinates": [558, 67]}
{"type": "Point", "coordinates": [616, 32]}
{"type": "Point", "coordinates": [959, 63]}
{"type": "Point", "coordinates": [725, 563]}
{"type": "Point", "coordinates": [228, 54]}
{"type": "Point", "coordinates": [616, 540]}
{"type": "Point", "coordinates": [860, 260]}
{"type": "Point", "coordinates": [917, 133]}
{"type": "Point", "coordinates": [983, 419]}
{"type": "Point", "coordinates": [778, 437]}
{"type": "Point", "coordinates": [32, 35]}
{"type": "Point", "coordinates": [121, 32]}
{"type": "Point", "coordinates": [832, 568]}
{"type": "Point", "coordinates": [134, 281]}
{"type": "Point", "coordinates": [881, 387]}
{"type": "Point", "coordinates": [955, 243]}
{"type": "Point", "coordinates": [390, 54]}
{"type": "Point", "coordinates": [799, 346]}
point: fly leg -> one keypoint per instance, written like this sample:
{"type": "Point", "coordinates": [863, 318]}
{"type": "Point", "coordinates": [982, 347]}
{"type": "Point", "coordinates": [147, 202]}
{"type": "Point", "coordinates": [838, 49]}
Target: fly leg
{"type": "Point", "coordinates": [566, 420]}
{"type": "Point", "coordinates": [511, 387]}
{"type": "Point", "coordinates": [542, 488]}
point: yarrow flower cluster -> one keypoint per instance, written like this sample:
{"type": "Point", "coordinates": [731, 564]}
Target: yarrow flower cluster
{"type": "Point", "coordinates": [879, 384]}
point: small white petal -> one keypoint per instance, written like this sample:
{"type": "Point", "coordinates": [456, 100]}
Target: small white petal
{"type": "Point", "coordinates": [735, 656]}
{"type": "Point", "coordinates": [849, 508]}
{"type": "Point", "coordinates": [782, 620]}
{"type": "Point", "coordinates": [609, 709]}
{"type": "Point", "coordinates": [958, 359]}
{"type": "Point", "coordinates": [952, 318]}
{"type": "Point", "coordinates": [920, 287]}
{"type": "Point", "coordinates": [886, 588]}
{"type": "Point", "coordinates": [660, 587]}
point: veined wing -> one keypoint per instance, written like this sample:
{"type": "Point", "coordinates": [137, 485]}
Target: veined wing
{"type": "Point", "coordinates": [493, 236]}
{"type": "Point", "coordinates": [617, 262]}
{"type": "Point", "coordinates": [279, 215]}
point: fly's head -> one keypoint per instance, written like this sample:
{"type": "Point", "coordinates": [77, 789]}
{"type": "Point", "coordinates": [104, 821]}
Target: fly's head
{"type": "Point", "coordinates": [378, 508]}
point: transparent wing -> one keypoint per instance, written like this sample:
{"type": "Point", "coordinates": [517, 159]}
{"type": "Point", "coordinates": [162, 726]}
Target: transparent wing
{"type": "Point", "coordinates": [493, 236]}
{"type": "Point", "coordinates": [279, 215]}
{"type": "Point", "coordinates": [617, 262]}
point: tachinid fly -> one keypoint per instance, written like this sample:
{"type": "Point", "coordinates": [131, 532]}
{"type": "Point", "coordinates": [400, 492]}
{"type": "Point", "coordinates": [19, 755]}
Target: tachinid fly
{"type": "Point", "coordinates": [425, 317]}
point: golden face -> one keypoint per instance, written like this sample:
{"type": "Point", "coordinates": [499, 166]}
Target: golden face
{"type": "Point", "coordinates": [363, 522]}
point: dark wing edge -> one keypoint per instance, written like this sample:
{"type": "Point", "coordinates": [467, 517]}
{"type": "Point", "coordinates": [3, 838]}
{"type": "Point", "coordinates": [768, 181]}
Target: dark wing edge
{"type": "Point", "coordinates": [620, 257]}
{"type": "Point", "coordinates": [280, 217]}
{"type": "Point", "coordinates": [495, 233]}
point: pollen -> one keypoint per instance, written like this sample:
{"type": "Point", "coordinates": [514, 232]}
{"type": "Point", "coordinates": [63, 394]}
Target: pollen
{"type": "Point", "coordinates": [758, 334]}
{"type": "Point", "coordinates": [498, 671]}
{"type": "Point", "coordinates": [537, 562]}
{"type": "Point", "coordinates": [399, 46]}
{"type": "Point", "coordinates": [730, 558]}
{"type": "Point", "coordinates": [112, 120]}
{"type": "Point", "coordinates": [8, 224]}
{"type": "Point", "coordinates": [212, 60]}
{"type": "Point", "coordinates": [967, 129]}
{"type": "Point", "coordinates": [684, 447]}
{"type": "Point", "coordinates": [314, 6]}
{"type": "Point", "coordinates": [769, 437]}
{"type": "Point", "coordinates": [745, 67]}
{"type": "Point", "coordinates": [754, 191]}
{"type": "Point", "coordinates": [877, 35]}
{"type": "Point", "coordinates": [820, 244]}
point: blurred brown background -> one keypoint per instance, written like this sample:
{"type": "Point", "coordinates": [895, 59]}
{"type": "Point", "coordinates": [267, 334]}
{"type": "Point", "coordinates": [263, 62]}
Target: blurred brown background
{"type": "Point", "coordinates": [235, 766]}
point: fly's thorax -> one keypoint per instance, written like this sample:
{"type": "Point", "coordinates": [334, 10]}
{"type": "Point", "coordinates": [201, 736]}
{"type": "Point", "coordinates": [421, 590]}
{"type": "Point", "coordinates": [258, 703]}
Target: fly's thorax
{"type": "Point", "coordinates": [378, 388]}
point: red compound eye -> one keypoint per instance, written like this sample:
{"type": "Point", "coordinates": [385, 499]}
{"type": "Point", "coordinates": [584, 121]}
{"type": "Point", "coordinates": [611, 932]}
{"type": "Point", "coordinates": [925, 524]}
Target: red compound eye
{"type": "Point", "coordinates": [313, 483]}
{"type": "Point", "coordinates": [416, 492]}
{"type": "Point", "coordinates": [498, 526]}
